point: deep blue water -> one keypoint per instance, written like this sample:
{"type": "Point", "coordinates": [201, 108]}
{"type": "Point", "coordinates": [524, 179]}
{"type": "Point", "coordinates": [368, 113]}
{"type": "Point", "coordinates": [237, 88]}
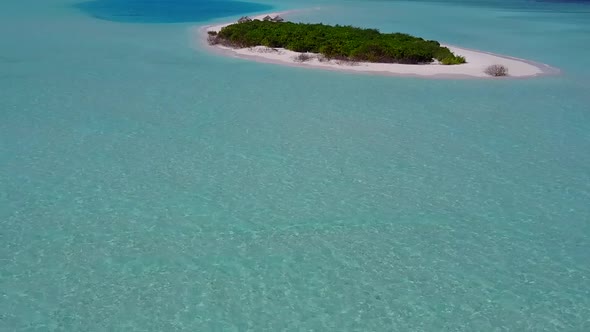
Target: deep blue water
{"type": "Point", "coordinates": [167, 11]}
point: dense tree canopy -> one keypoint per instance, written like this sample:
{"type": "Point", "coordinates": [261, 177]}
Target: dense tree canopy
{"type": "Point", "coordinates": [340, 42]}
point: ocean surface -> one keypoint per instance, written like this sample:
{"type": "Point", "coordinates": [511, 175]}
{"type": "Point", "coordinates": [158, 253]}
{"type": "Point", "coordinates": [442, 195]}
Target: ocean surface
{"type": "Point", "coordinates": [149, 185]}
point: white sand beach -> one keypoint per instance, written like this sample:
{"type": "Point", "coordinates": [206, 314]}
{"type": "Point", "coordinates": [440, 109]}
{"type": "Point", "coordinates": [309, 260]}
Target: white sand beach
{"type": "Point", "coordinates": [477, 61]}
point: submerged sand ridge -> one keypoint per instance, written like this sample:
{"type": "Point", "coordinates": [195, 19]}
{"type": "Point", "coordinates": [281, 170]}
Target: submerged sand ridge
{"type": "Point", "coordinates": [477, 61]}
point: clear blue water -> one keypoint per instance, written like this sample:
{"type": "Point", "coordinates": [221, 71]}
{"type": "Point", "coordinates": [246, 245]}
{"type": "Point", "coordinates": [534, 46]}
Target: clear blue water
{"type": "Point", "coordinates": [147, 185]}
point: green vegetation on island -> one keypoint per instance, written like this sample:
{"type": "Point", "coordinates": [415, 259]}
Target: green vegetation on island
{"type": "Point", "coordinates": [334, 42]}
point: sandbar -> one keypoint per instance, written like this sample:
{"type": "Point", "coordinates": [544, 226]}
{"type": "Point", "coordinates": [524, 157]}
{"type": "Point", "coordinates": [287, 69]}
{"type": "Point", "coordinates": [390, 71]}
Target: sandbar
{"type": "Point", "coordinates": [477, 61]}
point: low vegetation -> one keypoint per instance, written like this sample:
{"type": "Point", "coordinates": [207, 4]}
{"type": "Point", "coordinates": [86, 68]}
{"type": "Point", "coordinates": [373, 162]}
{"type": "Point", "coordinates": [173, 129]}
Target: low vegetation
{"type": "Point", "coordinates": [496, 70]}
{"type": "Point", "coordinates": [303, 57]}
{"type": "Point", "coordinates": [345, 43]}
{"type": "Point", "coordinates": [212, 38]}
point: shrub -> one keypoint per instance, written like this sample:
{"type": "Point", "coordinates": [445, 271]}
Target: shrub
{"type": "Point", "coordinates": [496, 70]}
{"type": "Point", "coordinates": [303, 57]}
{"type": "Point", "coordinates": [453, 60]}
{"type": "Point", "coordinates": [213, 39]}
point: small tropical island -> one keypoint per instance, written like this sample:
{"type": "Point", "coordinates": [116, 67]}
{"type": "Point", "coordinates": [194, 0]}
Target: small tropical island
{"type": "Point", "coordinates": [270, 38]}
{"type": "Point", "coordinates": [345, 43]}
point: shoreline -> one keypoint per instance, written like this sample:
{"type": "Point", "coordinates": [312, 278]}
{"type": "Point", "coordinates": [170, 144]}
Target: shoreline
{"type": "Point", "coordinates": [477, 60]}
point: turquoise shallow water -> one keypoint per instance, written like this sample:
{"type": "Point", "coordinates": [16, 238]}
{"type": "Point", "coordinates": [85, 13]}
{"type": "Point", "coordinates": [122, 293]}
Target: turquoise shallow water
{"type": "Point", "coordinates": [158, 11]}
{"type": "Point", "coordinates": [149, 185]}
